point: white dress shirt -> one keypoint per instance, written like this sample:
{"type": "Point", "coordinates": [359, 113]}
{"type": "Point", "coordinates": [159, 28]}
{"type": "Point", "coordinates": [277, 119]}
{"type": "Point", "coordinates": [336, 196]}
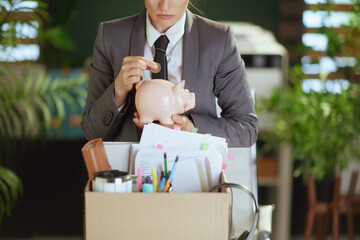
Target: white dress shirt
{"type": "Point", "coordinates": [174, 50]}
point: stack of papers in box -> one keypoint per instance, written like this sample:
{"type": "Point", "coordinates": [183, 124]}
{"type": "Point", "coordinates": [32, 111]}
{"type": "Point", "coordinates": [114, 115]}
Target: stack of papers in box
{"type": "Point", "coordinates": [198, 168]}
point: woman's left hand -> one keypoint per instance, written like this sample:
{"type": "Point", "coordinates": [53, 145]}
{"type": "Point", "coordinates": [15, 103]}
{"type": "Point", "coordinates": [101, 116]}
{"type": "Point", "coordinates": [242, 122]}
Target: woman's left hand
{"type": "Point", "coordinates": [181, 121]}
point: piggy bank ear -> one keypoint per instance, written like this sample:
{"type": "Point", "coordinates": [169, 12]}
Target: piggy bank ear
{"type": "Point", "coordinates": [180, 85]}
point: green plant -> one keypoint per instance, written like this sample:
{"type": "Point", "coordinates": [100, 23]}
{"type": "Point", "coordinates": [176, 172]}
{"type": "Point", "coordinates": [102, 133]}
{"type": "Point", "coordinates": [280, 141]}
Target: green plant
{"type": "Point", "coordinates": [10, 19]}
{"type": "Point", "coordinates": [28, 104]}
{"type": "Point", "coordinates": [10, 188]}
{"type": "Point", "coordinates": [15, 13]}
{"type": "Point", "coordinates": [18, 16]}
{"type": "Point", "coordinates": [343, 41]}
{"type": "Point", "coordinates": [56, 43]}
{"type": "Point", "coordinates": [323, 127]}
{"type": "Point", "coordinates": [29, 98]}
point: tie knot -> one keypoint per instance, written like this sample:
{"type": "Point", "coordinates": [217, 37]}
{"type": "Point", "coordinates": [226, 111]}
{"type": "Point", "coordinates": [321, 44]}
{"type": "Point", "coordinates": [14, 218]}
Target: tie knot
{"type": "Point", "coordinates": [161, 43]}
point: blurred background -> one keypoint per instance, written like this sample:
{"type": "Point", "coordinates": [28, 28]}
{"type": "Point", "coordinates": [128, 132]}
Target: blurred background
{"type": "Point", "coordinates": [302, 60]}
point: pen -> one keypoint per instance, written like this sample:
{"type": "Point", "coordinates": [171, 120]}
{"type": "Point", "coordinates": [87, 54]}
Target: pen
{"type": "Point", "coordinates": [165, 165]}
{"type": "Point", "coordinates": [158, 175]}
{"type": "Point", "coordinates": [162, 175]}
{"type": "Point", "coordinates": [155, 180]}
{"type": "Point", "coordinates": [162, 184]}
{"type": "Point", "coordinates": [167, 184]}
{"type": "Point", "coordinates": [139, 180]}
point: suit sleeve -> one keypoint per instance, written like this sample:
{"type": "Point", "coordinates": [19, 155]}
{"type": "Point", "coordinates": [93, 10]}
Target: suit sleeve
{"type": "Point", "coordinates": [101, 117]}
{"type": "Point", "coordinates": [238, 122]}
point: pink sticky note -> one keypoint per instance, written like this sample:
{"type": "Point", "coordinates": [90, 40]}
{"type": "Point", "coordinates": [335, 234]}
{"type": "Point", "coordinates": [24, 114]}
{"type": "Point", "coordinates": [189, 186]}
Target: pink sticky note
{"type": "Point", "coordinates": [230, 157]}
{"type": "Point", "coordinates": [177, 127]}
{"type": "Point", "coordinates": [159, 146]}
{"type": "Point", "coordinates": [223, 166]}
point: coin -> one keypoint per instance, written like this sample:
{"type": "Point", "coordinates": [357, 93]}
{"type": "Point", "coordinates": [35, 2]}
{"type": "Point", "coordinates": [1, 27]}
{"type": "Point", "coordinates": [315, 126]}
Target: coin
{"type": "Point", "coordinates": [158, 69]}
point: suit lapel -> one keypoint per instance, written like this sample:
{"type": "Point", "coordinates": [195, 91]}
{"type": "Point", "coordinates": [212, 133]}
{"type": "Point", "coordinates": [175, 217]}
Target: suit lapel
{"type": "Point", "coordinates": [190, 51]}
{"type": "Point", "coordinates": [137, 45]}
{"type": "Point", "coordinates": [138, 35]}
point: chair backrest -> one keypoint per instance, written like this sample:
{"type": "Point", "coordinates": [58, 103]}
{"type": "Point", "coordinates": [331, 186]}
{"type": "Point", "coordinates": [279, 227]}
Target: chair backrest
{"type": "Point", "coordinates": [346, 178]}
{"type": "Point", "coordinates": [350, 195]}
{"type": "Point", "coordinates": [311, 190]}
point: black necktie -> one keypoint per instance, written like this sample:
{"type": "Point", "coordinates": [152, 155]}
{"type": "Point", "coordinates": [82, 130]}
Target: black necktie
{"type": "Point", "coordinates": [160, 57]}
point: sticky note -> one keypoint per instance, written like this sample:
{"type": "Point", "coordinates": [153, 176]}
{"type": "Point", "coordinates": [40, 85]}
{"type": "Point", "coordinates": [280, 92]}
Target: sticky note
{"type": "Point", "coordinates": [177, 127]}
{"type": "Point", "coordinates": [194, 130]}
{"type": "Point", "coordinates": [208, 134]}
{"type": "Point", "coordinates": [230, 157]}
{"type": "Point", "coordinates": [205, 146]}
{"type": "Point", "coordinates": [159, 146]}
{"type": "Point", "coordinates": [224, 166]}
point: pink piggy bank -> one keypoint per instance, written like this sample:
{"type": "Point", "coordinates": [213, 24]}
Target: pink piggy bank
{"type": "Point", "coordinates": [159, 99]}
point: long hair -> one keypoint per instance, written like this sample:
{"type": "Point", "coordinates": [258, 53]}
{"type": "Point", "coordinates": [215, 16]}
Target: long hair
{"type": "Point", "coordinates": [192, 5]}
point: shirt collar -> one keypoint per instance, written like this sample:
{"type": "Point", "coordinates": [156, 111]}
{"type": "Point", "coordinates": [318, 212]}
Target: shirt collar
{"type": "Point", "coordinates": [173, 34]}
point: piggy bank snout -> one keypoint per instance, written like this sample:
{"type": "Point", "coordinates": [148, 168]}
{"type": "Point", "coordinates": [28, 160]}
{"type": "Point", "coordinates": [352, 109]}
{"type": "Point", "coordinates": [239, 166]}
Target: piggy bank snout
{"type": "Point", "coordinates": [190, 101]}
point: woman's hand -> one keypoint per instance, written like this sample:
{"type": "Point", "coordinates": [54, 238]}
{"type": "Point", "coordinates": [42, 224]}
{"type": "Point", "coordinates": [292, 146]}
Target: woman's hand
{"type": "Point", "coordinates": [131, 71]}
{"type": "Point", "coordinates": [183, 122]}
{"type": "Point", "coordinates": [136, 120]}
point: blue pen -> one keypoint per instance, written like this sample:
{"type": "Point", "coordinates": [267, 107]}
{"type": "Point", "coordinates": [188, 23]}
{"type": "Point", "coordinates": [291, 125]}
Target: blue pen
{"type": "Point", "coordinates": [167, 184]}
{"type": "Point", "coordinates": [162, 184]}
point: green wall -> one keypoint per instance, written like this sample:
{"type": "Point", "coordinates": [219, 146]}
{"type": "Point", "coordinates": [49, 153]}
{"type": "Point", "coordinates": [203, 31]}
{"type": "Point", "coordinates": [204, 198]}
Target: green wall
{"type": "Point", "coordinates": [89, 13]}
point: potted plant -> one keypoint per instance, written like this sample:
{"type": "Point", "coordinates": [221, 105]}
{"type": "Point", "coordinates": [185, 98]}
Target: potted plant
{"type": "Point", "coordinates": [323, 126]}
{"type": "Point", "coordinates": [343, 41]}
{"type": "Point", "coordinates": [28, 105]}
{"type": "Point", "coordinates": [29, 98]}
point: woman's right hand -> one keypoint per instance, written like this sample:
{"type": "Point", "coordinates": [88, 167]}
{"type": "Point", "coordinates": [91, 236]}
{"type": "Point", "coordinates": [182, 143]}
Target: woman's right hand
{"type": "Point", "coordinates": [131, 71]}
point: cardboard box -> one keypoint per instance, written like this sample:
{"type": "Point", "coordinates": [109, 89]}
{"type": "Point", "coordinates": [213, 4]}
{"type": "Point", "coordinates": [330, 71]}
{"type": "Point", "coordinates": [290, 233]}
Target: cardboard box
{"type": "Point", "coordinates": [156, 216]}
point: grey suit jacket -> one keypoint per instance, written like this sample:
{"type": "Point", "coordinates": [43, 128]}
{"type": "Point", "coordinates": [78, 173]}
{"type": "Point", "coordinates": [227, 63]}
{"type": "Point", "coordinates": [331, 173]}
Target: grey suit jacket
{"type": "Point", "coordinates": [212, 67]}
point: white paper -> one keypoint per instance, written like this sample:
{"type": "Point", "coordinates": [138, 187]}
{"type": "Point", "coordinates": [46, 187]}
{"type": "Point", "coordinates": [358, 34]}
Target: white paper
{"type": "Point", "coordinates": [154, 134]}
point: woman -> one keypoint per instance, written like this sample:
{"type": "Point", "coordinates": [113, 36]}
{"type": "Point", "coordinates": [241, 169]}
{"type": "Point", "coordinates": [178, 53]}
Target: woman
{"type": "Point", "coordinates": [200, 51]}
